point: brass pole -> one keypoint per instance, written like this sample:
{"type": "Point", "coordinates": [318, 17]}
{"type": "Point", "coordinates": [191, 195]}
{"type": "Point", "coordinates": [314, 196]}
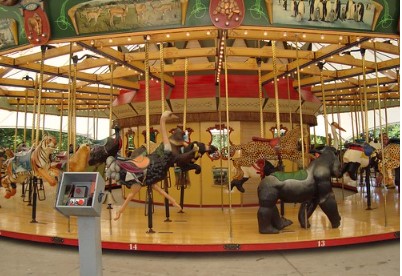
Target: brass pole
{"type": "Point", "coordinates": [97, 113]}
{"type": "Point", "coordinates": [357, 118]}
{"type": "Point", "coordinates": [321, 66]}
{"type": "Point", "coordinates": [69, 108]}
{"type": "Point", "coordinates": [34, 109]}
{"type": "Point", "coordinates": [88, 114]}
{"type": "Point", "coordinates": [61, 124]}
{"type": "Point", "coordinates": [111, 100]}
{"type": "Point", "coordinates": [25, 115]}
{"type": "Point", "coordinates": [375, 120]}
{"type": "Point", "coordinates": [381, 134]}
{"type": "Point", "coordinates": [386, 113]}
{"type": "Point", "coordinates": [16, 125]}
{"type": "Point", "coordinates": [363, 51]}
{"type": "Point", "coordinates": [185, 93]}
{"type": "Point", "coordinates": [94, 123]}
{"type": "Point", "coordinates": [262, 134]}
{"type": "Point", "coordinates": [352, 121]}
{"type": "Point", "coordinates": [275, 72]}
{"type": "Point", "coordinates": [162, 65]}
{"type": "Point", "coordinates": [338, 115]}
{"type": "Point", "coordinates": [290, 109]}
{"type": "Point", "coordinates": [43, 121]}
{"type": "Point", "coordinates": [74, 107]}
{"type": "Point", "coordinates": [300, 102]}
{"type": "Point", "coordinates": [147, 120]}
{"type": "Point", "coordinates": [362, 117]}
{"type": "Point", "coordinates": [227, 137]}
{"type": "Point", "coordinates": [42, 64]}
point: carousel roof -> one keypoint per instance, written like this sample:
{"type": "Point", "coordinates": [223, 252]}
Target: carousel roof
{"type": "Point", "coordinates": [344, 69]}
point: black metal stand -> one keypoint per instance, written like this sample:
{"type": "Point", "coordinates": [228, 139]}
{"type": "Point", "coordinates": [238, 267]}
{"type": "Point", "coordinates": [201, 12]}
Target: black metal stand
{"type": "Point", "coordinates": [108, 193]}
{"type": "Point", "coordinates": [29, 191]}
{"type": "Point", "coordinates": [368, 187]}
{"type": "Point", "coordinates": [109, 207]}
{"type": "Point", "coordinates": [149, 209]}
{"type": "Point", "coordinates": [182, 185]}
{"type": "Point", "coordinates": [166, 185]}
{"type": "Point", "coordinates": [34, 181]}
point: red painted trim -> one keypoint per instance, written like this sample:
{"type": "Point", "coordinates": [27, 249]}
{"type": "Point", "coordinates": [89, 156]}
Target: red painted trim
{"type": "Point", "coordinates": [203, 86]}
{"type": "Point", "coordinates": [209, 247]}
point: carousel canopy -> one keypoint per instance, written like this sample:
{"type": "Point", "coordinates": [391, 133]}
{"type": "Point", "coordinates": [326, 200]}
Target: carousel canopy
{"type": "Point", "coordinates": [341, 63]}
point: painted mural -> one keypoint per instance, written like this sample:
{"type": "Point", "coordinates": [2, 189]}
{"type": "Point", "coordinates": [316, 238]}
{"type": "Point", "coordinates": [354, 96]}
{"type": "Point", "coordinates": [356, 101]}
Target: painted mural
{"type": "Point", "coordinates": [8, 33]}
{"type": "Point", "coordinates": [71, 18]}
{"type": "Point", "coordinates": [105, 15]}
{"type": "Point", "coordinates": [339, 14]}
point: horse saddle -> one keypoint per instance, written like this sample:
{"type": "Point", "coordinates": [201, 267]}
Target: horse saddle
{"type": "Point", "coordinates": [297, 175]}
{"type": "Point", "coordinates": [22, 161]}
{"type": "Point", "coordinates": [272, 142]}
{"type": "Point", "coordinates": [367, 149]}
{"type": "Point", "coordinates": [136, 165]}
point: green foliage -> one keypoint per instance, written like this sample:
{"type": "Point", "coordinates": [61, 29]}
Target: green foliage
{"type": "Point", "coordinates": [393, 132]}
{"type": "Point", "coordinates": [7, 136]}
{"type": "Point", "coordinates": [319, 140]}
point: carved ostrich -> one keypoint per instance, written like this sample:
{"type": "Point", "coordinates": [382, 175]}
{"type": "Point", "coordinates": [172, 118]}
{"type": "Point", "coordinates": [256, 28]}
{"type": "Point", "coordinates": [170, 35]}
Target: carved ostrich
{"type": "Point", "coordinates": [151, 168]}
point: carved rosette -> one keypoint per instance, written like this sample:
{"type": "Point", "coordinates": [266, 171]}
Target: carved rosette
{"type": "Point", "coordinates": [226, 14]}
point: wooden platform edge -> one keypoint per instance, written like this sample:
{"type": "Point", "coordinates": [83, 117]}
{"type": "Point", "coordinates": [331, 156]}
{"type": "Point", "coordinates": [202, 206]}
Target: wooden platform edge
{"type": "Point", "coordinates": [209, 247]}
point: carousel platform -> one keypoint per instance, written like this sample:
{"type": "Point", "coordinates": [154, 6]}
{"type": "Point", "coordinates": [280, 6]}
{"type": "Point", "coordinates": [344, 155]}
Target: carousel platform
{"type": "Point", "coordinates": [207, 229]}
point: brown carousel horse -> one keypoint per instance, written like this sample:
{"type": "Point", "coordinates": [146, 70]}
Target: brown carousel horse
{"type": "Point", "coordinates": [32, 162]}
{"type": "Point", "coordinates": [281, 148]}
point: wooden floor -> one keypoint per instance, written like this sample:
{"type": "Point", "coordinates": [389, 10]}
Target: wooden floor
{"type": "Point", "coordinates": [207, 229]}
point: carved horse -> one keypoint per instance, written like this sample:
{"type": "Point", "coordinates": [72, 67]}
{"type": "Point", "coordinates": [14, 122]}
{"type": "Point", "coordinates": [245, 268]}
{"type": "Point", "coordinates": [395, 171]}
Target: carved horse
{"type": "Point", "coordinates": [33, 162]}
{"type": "Point", "coordinates": [284, 147]}
{"type": "Point", "coordinates": [355, 157]}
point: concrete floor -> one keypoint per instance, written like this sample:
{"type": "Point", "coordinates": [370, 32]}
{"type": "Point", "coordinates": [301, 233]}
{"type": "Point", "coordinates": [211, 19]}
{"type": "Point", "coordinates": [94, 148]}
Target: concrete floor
{"type": "Point", "coordinates": [29, 258]}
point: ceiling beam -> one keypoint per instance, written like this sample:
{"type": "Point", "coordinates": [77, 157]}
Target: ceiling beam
{"type": "Point", "coordinates": [119, 58]}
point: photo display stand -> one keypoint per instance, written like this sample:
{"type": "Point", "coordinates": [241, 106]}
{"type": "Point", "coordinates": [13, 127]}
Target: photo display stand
{"type": "Point", "coordinates": [81, 194]}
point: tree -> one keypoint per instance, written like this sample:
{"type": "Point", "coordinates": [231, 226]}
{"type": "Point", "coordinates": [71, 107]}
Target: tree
{"type": "Point", "coordinates": [7, 136]}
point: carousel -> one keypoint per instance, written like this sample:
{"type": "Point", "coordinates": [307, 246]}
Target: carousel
{"type": "Point", "coordinates": [211, 108]}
